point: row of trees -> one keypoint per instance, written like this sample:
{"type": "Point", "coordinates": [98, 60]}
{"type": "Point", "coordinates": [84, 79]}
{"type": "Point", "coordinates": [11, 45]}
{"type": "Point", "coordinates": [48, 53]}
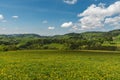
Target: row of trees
{"type": "Point", "coordinates": [46, 43]}
{"type": "Point", "coordinates": [72, 41]}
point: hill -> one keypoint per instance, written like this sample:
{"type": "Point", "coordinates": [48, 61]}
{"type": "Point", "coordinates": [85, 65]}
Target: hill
{"type": "Point", "coordinates": [72, 41]}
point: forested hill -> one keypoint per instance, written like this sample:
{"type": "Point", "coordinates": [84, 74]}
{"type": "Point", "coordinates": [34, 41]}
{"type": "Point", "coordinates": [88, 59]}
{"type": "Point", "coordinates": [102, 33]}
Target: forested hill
{"type": "Point", "coordinates": [72, 41]}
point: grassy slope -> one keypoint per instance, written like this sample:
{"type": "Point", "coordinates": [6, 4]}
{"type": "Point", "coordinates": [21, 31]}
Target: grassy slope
{"type": "Point", "coordinates": [59, 65]}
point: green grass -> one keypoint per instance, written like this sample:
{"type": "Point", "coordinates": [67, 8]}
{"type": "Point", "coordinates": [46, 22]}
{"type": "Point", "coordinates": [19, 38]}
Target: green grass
{"type": "Point", "coordinates": [59, 65]}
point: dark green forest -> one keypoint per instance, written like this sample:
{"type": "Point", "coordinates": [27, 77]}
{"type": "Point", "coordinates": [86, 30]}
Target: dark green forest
{"type": "Point", "coordinates": [72, 41]}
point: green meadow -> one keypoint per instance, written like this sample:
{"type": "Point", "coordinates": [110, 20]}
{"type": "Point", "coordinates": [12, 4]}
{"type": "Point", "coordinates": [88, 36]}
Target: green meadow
{"type": "Point", "coordinates": [59, 65]}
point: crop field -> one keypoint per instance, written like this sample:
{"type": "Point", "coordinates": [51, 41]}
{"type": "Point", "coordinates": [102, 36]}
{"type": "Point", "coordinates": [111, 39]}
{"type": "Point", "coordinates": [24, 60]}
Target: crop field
{"type": "Point", "coordinates": [59, 65]}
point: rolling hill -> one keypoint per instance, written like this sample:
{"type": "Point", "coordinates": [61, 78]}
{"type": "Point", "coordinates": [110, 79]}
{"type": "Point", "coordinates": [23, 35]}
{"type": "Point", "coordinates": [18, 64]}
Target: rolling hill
{"type": "Point", "coordinates": [72, 41]}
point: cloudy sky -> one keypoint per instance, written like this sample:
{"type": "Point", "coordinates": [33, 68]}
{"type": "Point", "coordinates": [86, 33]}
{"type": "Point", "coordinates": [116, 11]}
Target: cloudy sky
{"type": "Point", "coordinates": [52, 17]}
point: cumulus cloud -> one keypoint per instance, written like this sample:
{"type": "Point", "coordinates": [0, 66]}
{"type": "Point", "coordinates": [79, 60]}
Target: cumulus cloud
{"type": "Point", "coordinates": [70, 1]}
{"type": "Point", "coordinates": [51, 28]}
{"type": "Point", "coordinates": [114, 21]}
{"type": "Point", "coordinates": [98, 16]}
{"type": "Point", "coordinates": [1, 17]}
{"type": "Point", "coordinates": [15, 17]}
{"type": "Point", "coordinates": [74, 27]}
{"type": "Point", "coordinates": [67, 24]}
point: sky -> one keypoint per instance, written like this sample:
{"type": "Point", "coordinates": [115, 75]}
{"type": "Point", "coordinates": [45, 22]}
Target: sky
{"type": "Point", "coordinates": [56, 17]}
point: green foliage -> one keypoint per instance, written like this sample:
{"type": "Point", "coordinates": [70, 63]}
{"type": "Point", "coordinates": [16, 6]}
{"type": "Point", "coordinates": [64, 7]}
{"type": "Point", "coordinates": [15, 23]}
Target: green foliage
{"type": "Point", "coordinates": [3, 48]}
{"type": "Point", "coordinates": [72, 41]}
{"type": "Point", "coordinates": [54, 46]}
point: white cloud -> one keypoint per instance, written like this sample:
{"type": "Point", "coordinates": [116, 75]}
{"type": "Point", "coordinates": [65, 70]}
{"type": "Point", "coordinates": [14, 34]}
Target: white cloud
{"type": "Point", "coordinates": [74, 27]}
{"type": "Point", "coordinates": [115, 21]}
{"type": "Point", "coordinates": [45, 22]}
{"type": "Point", "coordinates": [15, 17]}
{"type": "Point", "coordinates": [1, 17]}
{"type": "Point", "coordinates": [51, 28]}
{"type": "Point", "coordinates": [70, 1]}
{"type": "Point", "coordinates": [67, 24]}
{"type": "Point", "coordinates": [97, 16]}
{"type": "Point", "coordinates": [112, 20]}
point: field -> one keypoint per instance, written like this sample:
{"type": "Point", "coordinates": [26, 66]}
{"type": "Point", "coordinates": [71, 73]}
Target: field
{"type": "Point", "coordinates": [59, 65]}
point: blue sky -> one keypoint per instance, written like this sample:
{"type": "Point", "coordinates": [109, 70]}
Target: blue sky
{"type": "Point", "coordinates": [52, 17]}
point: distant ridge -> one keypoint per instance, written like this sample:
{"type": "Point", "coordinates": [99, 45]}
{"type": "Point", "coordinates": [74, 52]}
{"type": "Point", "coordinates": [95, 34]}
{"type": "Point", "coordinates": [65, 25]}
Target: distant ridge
{"type": "Point", "coordinates": [109, 40]}
{"type": "Point", "coordinates": [112, 32]}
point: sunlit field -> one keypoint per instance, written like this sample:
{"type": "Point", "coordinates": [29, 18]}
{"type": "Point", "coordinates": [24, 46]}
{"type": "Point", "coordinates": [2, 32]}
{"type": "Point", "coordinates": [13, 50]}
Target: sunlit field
{"type": "Point", "coordinates": [59, 65]}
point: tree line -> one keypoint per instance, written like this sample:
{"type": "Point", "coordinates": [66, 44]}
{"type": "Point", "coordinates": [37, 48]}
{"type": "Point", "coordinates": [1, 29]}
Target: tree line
{"type": "Point", "coordinates": [71, 41]}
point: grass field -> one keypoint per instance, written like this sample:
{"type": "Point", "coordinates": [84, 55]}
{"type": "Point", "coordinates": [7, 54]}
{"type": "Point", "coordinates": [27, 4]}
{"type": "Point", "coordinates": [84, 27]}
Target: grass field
{"type": "Point", "coordinates": [59, 65]}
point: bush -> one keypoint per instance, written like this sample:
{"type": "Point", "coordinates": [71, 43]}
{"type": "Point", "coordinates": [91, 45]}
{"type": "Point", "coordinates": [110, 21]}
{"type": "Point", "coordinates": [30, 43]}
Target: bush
{"type": "Point", "coordinates": [3, 48]}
